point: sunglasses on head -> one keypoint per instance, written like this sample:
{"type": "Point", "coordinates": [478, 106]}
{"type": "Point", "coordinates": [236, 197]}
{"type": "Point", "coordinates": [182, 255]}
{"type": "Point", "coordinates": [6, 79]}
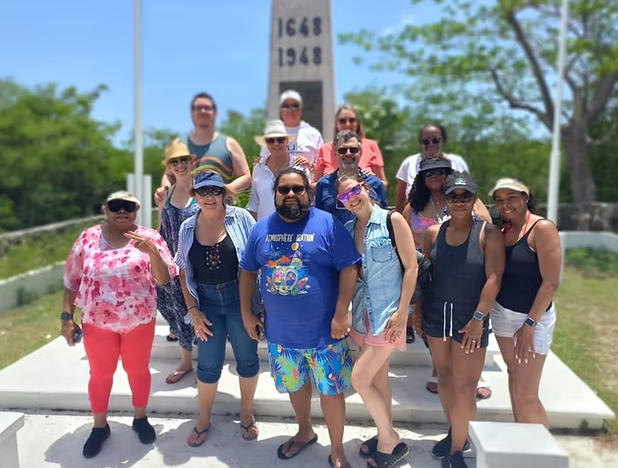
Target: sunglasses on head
{"type": "Point", "coordinates": [434, 173]}
{"type": "Point", "coordinates": [184, 161]}
{"type": "Point", "coordinates": [353, 150]}
{"type": "Point", "coordinates": [290, 106]}
{"type": "Point", "coordinates": [271, 141]}
{"type": "Point", "coordinates": [464, 198]}
{"type": "Point", "coordinates": [284, 189]}
{"type": "Point", "coordinates": [206, 191]}
{"type": "Point", "coordinates": [433, 141]}
{"type": "Point", "coordinates": [353, 192]}
{"type": "Point", "coordinates": [121, 205]}
{"type": "Point", "coordinates": [344, 121]}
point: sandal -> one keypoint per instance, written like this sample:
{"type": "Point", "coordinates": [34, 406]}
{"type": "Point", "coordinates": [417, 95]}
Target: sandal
{"type": "Point", "coordinates": [199, 434]}
{"type": "Point", "coordinates": [171, 338]}
{"type": "Point", "coordinates": [176, 376]}
{"type": "Point", "coordinates": [303, 445]}
{"type": "Point", "coordinates": [371, 445]}
{"type": "Point", "coordinates": [410, 337]}
{"type": "Point", "coordinates": [247, 428]}
{"type": "Point", "coordinates": [385, 460]}
{"type": "Point", "coordinates": [479, 389]}
{"type": "Point", "coordinates": [432, 385]}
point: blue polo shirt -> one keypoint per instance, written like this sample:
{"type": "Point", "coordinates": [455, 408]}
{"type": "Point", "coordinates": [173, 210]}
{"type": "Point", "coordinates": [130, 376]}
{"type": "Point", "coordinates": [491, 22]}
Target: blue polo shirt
{"type": "Point", "coordinates": [326, 195]}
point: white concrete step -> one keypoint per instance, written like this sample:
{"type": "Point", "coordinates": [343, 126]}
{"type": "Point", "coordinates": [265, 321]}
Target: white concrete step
{"type": "Point", "coordinates": [415, 355]}
{"type": "Point", "coordinates": [56, 377]}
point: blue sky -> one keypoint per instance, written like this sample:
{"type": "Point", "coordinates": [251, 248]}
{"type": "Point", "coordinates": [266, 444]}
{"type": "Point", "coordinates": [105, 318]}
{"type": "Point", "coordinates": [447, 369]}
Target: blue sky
{"type": "Point", "coordinates": [218, 46]}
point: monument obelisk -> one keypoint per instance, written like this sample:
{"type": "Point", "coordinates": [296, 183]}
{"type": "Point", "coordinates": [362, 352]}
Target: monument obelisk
{"type": "Point", "coordinates": [301, 58]}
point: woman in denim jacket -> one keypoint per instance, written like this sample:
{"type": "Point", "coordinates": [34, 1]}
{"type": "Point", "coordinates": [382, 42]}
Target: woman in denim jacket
{"type": "Point", "coordinates": [210, 246]}
{"type": "Point", "coordinates": [379, 310]}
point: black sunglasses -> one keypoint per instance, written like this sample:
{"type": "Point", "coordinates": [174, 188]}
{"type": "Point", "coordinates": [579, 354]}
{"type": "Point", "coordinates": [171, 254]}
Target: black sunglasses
{"type": "Point", "coordinates": [427, 141]}
{"type": "Point", "coordinates": [271, 141]}
{"type": "Point", "coordinates": [343, 121]}
{"type": "Point", "coordinates": [465, 198]}
{"type": "Point", "coordinates": [297, 189]}
{"type": "Point", "coordinates": [121, 205]}
{"type": "Point", "coordinates": [206, 191]}
{"type": "Point", "coordinates": [203, 108]}
{"type": "Point", "coordinates": [184, 161]}
{"type": "Point", "coordinates": [290, 106]}
{"type": "Point", "coordinates": [434, 173]}
{"type": "Point", "coordinates": [353, 150]}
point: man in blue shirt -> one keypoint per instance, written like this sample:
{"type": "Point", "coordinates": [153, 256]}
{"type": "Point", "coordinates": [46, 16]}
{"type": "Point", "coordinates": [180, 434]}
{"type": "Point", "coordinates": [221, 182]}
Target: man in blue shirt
{"type": "Point", "coordinates": [348, 150]}
{"type": "Point", "coordinates": [308, 266]}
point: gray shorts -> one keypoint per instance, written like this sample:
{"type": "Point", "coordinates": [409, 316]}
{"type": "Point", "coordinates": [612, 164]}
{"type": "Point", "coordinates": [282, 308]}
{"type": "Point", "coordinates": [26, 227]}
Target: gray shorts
{"type": "Point", "coordinates": [505, 323]}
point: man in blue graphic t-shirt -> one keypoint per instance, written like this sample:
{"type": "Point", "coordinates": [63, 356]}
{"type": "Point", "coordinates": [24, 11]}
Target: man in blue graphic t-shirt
{"type": "Point", "coordinates": [308, 275]}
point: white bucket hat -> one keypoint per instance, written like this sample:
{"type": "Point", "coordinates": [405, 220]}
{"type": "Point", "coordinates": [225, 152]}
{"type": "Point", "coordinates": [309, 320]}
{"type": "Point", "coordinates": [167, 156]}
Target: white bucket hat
{"type": "Point", "coordinates": [274, 129]}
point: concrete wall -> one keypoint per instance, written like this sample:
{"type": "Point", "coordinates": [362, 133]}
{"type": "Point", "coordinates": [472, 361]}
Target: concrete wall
{"type": "Point", "coordinates": [21, 289]}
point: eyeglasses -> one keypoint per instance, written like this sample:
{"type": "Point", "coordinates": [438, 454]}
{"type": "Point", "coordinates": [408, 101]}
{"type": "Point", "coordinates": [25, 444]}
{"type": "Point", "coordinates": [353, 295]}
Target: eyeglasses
{"type": "Point", "coordinates": [271, 141]}
{"type": "Point", "coordinates": [343, 121]}
{"type": "Point", "coordinates": [210, 190]}
{"type": "Point", "coordinates": [427, 141]}
{"type": "Point", "coordinates": [353, 192]}
{"type": "Point", "coordinates": [121, 205]}
{"type": "Point", "coordinates": [184, 161]}
{"type": "Point", "coordinates": [297, 189]}
{"type": "Point", "coordinates": [290, 106]}
{"type": "Point", "coordinates": [434, 173]}
{"type": "Point", "coordinates": [353, 150]}
{"type": "Point", "coordinates": [453, 199]}
{"type": "Point", "coordinates": [203, 108]}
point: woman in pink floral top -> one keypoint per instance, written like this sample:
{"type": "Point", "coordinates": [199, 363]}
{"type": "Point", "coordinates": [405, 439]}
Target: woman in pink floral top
{"type": "Point", "coordinates": [111, 274]}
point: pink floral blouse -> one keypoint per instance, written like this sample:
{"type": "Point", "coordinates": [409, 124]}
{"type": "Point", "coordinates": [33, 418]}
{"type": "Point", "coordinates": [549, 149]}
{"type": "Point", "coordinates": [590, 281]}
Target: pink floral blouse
{"type": "Point", "coordinates": [115, 287]}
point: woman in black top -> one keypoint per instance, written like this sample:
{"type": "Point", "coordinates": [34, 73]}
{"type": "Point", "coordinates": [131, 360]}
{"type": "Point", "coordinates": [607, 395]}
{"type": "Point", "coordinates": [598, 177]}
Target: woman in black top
{"type": "Point", "coordinates": [523, 317]}
{"type": "Point", "coordinates": [468, 259]}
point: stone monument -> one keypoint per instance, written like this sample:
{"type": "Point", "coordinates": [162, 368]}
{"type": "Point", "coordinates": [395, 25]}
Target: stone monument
{"type": "Point", "coordinates": [301, 58]}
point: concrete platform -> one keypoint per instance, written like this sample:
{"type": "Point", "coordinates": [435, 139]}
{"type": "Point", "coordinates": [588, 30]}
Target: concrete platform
{"type": "Point", "coordinates": [56, 377]}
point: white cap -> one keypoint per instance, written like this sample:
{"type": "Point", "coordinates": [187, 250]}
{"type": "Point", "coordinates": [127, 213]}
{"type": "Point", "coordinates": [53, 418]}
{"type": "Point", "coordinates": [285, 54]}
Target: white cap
{"type": "Point", "coordinates": [290, 94]}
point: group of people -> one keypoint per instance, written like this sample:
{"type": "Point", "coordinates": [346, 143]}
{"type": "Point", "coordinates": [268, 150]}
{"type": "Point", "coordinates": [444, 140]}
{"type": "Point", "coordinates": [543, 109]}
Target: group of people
{"type": "Point", "coordinates": [315, 242]}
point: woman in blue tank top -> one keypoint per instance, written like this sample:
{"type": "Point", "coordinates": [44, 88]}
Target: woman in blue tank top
{"type": "Point", "coordinates": [468, 259]}
{"type": "Point", "coordinates": [523, 317]}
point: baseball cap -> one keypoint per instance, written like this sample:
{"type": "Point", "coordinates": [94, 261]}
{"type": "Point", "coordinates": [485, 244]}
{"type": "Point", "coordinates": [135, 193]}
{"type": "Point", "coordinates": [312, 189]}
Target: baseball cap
{"type": "Point", "coordinates": [435, 163]}
{"type": "Point", "coordinates": [510, 183]}
{"type": "Point", "coordinates": [290, 94]}
{"type": "Point", "coordinates": [460, 180]}
{"type": "Point", "coordinates": [207, 179]}
{"type": "Point", "coordinates": [123, 195]}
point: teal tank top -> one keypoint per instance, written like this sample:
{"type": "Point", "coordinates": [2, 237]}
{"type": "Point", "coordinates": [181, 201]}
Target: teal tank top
{"type": "Point", "coordinates": [213, 157]}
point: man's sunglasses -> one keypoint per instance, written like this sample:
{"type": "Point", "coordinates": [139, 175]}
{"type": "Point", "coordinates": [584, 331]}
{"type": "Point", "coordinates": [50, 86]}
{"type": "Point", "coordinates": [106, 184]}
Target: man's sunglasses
{"type": "Point", "coordinates": [284, 189]}
{"type": "Point", "coordinates": [433, 141]}
{"type": "Point", "coordinates": [121, 205]}
{"type": "Point", "coordinates": [351, 120]}
{"type": "Point", "coordinates": [203, 108]}
{"type": "Point", "coordinates": [434, 173]}
{"type": "Point", "coordinates": [271, 141]}
{"type": "Point", "coordinates": [206, 191]}
{"type": "Point", "coordinates": [453, 199]}
{"type": "Point", "coordinates": [290, 106]}
{"type": "Point", "coordinates": [353, 150]}
{"type": "Point", "coordinates": [353, 192]}
{"type": "Point", "coordinates": [184, 161]}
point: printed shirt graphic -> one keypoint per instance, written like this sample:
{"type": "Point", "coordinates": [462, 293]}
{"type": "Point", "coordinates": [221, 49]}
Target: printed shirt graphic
{"type": "Point", "coordinates": [300, 264]}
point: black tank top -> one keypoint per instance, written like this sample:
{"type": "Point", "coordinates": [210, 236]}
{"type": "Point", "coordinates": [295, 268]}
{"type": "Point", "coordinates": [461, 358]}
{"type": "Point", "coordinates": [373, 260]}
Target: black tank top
{"type": "Point", "coordinates": [458, 272]}
{"type": "Point", "coordinates": [214, 264]}
{"type": "Point", "coordinates": [522, 278]}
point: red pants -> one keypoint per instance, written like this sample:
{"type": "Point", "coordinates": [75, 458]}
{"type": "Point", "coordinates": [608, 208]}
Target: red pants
{"type": "Point", "coordinates": [103, 348]}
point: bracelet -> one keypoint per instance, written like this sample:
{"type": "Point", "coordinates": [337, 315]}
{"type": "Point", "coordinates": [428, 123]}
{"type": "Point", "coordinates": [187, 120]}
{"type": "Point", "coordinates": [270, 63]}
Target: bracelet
{"type": "Point", "coordinates": [192, 307]}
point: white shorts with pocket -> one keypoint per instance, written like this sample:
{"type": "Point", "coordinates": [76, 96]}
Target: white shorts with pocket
{"type": "Point", "coordinates": [505, 323]}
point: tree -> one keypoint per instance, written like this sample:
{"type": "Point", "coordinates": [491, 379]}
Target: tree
{"type": "Point", "coordinates": [508, 50]}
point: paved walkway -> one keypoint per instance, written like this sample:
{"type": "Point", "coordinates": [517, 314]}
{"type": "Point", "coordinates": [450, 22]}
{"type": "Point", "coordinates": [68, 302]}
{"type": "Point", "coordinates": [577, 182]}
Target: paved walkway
{"type": "Point", "coordinates": [56, 441]}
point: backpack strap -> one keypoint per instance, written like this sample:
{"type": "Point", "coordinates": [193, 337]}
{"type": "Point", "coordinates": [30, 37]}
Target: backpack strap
{"type": "Point", "coordinates": [391, 235]}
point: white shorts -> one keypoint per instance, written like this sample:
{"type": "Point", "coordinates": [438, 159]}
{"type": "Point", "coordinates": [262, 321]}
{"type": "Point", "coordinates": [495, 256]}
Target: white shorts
{"type": "Point", "coordinates": [506, 322]}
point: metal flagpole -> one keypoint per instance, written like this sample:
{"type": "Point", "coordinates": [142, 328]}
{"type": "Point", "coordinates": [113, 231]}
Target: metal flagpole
{"type": "Point", "coordinates": [137, 109]}
{"type": "Point", "coordinates": [554, 162]}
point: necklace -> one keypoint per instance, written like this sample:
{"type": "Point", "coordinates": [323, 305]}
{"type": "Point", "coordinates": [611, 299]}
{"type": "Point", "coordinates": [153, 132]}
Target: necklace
{"type": "Point", "coordinates": [439, 218]}
{"type": "Point", "coordinates": [507, 229]}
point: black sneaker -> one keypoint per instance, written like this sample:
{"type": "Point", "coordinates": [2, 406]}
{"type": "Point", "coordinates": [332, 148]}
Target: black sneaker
{"type": "Point", "coordinates": [145, 431]}
{"type": "Point", "coordinates": [443, 447]}
{"type": "Point", "coordinates": [454, 460]}
{"type": "Point", "coordinates": [93, 445]}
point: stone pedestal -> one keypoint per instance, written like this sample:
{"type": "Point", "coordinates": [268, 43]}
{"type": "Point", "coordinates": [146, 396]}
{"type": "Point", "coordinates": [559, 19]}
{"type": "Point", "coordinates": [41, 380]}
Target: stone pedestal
{"type": "Point", "coordinates": [301, 58]}
{"type": "Point", "coordinates": [10, 423]}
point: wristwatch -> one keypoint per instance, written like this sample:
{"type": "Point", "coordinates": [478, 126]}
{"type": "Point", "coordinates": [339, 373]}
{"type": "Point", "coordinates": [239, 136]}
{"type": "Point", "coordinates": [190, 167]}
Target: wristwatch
{"type": "Point", "coordinates": [66, 316]}
{"type": "Point", "coordinates": [530, 322]}
{"type": "Point", "coordinates": [478, 315]}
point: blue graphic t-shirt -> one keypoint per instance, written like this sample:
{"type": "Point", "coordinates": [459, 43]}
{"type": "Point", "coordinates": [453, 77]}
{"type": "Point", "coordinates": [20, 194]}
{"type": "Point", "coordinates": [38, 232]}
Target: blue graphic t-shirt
{"type": "Point", "coordinates": [300, 265]}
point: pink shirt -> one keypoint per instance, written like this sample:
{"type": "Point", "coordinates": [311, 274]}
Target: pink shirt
{"type": "Point", "coordinates": [115, 287]}
{"type": "Point", "coordinates": [327, 161]}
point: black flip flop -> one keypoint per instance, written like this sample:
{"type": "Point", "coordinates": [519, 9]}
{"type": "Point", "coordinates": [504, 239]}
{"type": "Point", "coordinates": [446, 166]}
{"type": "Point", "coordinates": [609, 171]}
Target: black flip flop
{"type": "Point", "coordinates": [372, 447]}
{"type": "Point", "coordinates": [410, 338]}
{"type": "Point", "coordinates": [281, 454]}
{"type": "Point", "coordinates": [385, 460]}
{"type": "Point", "coordinates": [170, 339]}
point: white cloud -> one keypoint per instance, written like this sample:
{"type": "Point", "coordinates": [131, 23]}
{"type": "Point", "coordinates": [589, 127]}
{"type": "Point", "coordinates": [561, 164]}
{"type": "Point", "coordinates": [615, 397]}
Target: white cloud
{"type": "Point", "coordinates": [405, 20]}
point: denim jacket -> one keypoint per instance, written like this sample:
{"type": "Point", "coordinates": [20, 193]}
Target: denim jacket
{"type": "Point", "coordinates": [238, 223]}
{"type": "Point", "coordinates": [380, 290]}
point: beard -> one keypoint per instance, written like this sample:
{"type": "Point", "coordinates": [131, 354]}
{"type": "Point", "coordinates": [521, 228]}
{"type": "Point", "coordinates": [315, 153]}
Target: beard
{"type": "Point", "coordinates": [293, 211]}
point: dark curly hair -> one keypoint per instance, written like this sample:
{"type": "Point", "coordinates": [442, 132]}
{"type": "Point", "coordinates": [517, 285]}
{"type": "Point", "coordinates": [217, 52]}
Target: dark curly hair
{"type": "Point", "coordinates": [293, 170]}
{"type": "Point", "coordinates": [419, 194]}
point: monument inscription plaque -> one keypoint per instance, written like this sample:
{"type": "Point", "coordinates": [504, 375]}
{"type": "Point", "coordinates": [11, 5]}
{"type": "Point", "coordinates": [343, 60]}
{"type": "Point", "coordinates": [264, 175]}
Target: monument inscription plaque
{"type": "Point", "coordinates": [301, 58]}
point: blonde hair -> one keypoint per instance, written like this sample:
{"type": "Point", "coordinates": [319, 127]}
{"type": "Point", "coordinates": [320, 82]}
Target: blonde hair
{"type": "Point", "coordinates": [360, 130]}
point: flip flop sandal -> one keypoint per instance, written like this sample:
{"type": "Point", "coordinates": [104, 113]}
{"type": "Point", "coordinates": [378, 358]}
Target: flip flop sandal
{"type": "Point", "coordinates": [410, 338]}
{"type": "Point", "coordinates": [332, 465]}
{"type": "Point", "coordinates": [199, 434]}
{"type": "Point", "coordinates": [171, 379]}
{"type": "Point", "coordinates": [171, 338]}
{"type": "Point", "coordinates": [484, 385]}
{"type": "Point", "coordinates": [432, 380]}
{"type": "Point", "coordinates": [371, 445]}
{"type": "Point", "coordinates": [246, 428]}
{"type": "Point", "coordinates": [384, 460]}
{"type": "Point", "coordinates": [281, 454]}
